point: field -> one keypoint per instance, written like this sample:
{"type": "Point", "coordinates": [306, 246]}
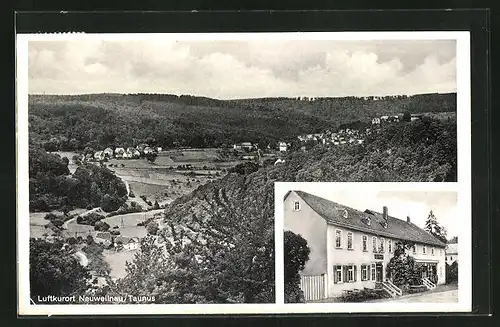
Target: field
{"type": "Point", "coordinates": [130, 228]}
{"type": "Point", "coordinates": [117, 261]}
{"type": "Point", "coordinates": [174, 173]}
{"type": "Point", "coordinates": [37, 223]}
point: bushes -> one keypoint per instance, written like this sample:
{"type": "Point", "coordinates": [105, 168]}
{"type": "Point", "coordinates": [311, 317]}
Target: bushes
{"type": "Point", "coordinates": [90, 219]}
{"type": "Point", "coordinates": [245, 168]}
{"type": "Point", "coordinates": [101, 226]}
{"type": "Point", "coordinates": [452, 272]}
{"type": "Point", "coordinates": [363, 295]}
{"type": "Point", "coordinates": [57, 222]}
{"type": "Point", "coordinates": [134, 207]}
{"type": "Point", "coordinates": [416, 289]}
{"type": "Point", "coordinates": [152, 228]}
{"type": "Point", "coordinates": [51, 216]}
{"type": "Point", "coordinates": [114, 232]}
{"type": "Point", "coordinates": [296, 254]}
{"type": "Point", "coordinates": [111, 203]}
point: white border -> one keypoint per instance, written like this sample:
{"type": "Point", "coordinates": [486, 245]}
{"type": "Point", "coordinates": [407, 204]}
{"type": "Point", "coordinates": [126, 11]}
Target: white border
{"type": "Point", "coordinates": [464, 181]}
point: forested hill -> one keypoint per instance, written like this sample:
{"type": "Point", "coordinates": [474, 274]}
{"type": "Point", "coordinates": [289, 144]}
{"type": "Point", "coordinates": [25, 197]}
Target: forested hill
{"type": "Point", "coordinates": [73, 122]}
{"type": "Point", "coordinates": [227, 225]}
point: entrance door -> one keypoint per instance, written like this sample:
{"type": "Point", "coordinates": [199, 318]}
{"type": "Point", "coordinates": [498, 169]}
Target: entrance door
{"type": "Point", "coordinates": [433, 273]}
{"type": "Point", "coordinates": [379, 276]}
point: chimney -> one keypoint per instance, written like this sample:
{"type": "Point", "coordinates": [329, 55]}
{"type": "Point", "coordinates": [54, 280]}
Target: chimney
{"type": "Point", "coordinates": [385, 213]}
{"type": "Point", "coordinates": [408, 219]}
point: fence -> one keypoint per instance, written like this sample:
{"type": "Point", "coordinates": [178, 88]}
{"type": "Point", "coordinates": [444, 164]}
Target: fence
{"type": "Point", "coordinates": [314, 287]}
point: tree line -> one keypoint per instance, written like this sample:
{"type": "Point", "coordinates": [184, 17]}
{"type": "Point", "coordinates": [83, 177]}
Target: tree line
{"type": "Point", "coordinates": [70, 123]}
{"type": "Point", "coordinates": [53, 187]}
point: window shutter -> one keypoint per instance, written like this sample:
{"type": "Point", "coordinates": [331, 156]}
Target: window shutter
{"type": "Point", "coordinates": [335, 279]}
{"type": "Point", "coordinates": [345, 276]}
{"type": "Point", "coordinates": [355, 273]}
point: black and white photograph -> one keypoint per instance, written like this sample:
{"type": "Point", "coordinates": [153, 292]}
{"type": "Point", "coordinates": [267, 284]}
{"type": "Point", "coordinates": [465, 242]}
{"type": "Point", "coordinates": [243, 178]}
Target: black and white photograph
{"type": "Point", "coordinates": [147, 167]}
{"type": "Point", "coordinates": [384, 246]}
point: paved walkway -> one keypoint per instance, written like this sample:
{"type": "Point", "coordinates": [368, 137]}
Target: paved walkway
{"type": "Point", "coordinates": [442, 297]}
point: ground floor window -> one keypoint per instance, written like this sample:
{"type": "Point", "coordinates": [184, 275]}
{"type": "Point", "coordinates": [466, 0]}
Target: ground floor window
{"type": "Point", "coordinates": [337, 272]}
{"type": "Point", "coordinates": [365, 272]}
{"type": "Point", "coordinates": [344, 274]}
{"type": "Point", "coordinates": [373, 271]}
{"type": "Point", "coordinates": [351, 273]}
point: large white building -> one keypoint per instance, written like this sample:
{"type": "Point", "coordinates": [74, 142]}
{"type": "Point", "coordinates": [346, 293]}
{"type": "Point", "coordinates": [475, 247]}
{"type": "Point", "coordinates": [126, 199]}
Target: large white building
{"type": "Point", "coordinates": [350, 249]}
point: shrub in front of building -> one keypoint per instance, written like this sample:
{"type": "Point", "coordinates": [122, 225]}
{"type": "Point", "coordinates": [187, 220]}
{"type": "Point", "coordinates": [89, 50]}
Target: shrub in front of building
{"type": "Point", "coordinates": [363, 295]}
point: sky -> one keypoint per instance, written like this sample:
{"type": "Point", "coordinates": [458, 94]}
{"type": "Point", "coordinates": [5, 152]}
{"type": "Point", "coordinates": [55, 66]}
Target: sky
{"type": "Point", "coordinates": [415, 204]}
{"type": "Point", "coordinates": [227, 69]}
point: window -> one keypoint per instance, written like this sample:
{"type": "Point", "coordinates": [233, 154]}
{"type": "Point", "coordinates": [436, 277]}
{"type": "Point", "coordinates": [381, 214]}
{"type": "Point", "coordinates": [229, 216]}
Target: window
{"type": "Point", "coordinates": [440, 271]}
{"type": "Point", "coordinates": [451, 258]}
{"type": "Point", "coordinates": [338, 239]}
{"type": "Point", "coordinates": [414, 248]}
{"type": "Point", "coordinates": [381, 245]}
{"type": "Point", "coordinates": [389, 245]}
{"type": "Point", "coordinates": [350, 274]}
{"type": "Point", "coordinates": [373, 271]}
{"type": "Point", "coordinates": [365, 240]}
{"type": "Point", "coordinates": [374, 241]}
{"type": "Point", "coordinates": [337, 274]}
{"type": "Point", "coordinates": [296, 206]}
{"type": "Point", "coordinates": [432, 251]}
{"type": "Point", "coordinates": [365, 272]}
{"type": "Point", "coordinates": [423, 249]}
{"type": "Point", "coordinates": [349, 241]}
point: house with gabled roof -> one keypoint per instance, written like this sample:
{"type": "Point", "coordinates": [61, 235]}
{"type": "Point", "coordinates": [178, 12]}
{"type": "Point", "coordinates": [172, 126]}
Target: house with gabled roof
{"type": "Point", "coordinates": [103, 238]}
{"type": "Point", "coordinates": [350, 249]}
{"type": "Point", "coordinates": [451, 253]}
{"type": "Point", "coordinates": [108, 152]}
{"type": "Point", "coordinates": [119, 152]}
{"type": "Point", "coordinates": [128, 243]}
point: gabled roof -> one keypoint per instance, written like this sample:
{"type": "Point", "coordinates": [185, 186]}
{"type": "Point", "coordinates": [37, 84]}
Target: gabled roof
{"type": "Point", "coordinates": [396, 228]}
{"type": "Point", "coordinates": [452, 248]}
{"type": "Point", "coordinates": [104, 236]}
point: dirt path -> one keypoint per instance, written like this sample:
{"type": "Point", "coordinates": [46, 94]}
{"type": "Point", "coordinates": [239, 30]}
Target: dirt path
{"type": "Point", "coordinates": [82, 258]}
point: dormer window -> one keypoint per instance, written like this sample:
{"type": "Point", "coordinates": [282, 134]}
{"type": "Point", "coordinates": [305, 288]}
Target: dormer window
{"type": "Point", "coordinates": [296, 206]}
{"type": "Point", "coordinates": [345, 214]}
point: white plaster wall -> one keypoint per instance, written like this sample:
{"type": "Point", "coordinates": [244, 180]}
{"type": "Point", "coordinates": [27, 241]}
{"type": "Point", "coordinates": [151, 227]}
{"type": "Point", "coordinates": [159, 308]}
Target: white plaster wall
{"type": "Point", "coordinates": [312, 228]}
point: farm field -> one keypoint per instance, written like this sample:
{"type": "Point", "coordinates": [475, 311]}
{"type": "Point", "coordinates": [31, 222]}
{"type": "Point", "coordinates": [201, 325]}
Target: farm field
{"type": "Point", "coordinates": [130, 220]}
{"type": "Point", "coordinates": [162, 181]}
{"type": "Point", "coordinates": [117, 261]}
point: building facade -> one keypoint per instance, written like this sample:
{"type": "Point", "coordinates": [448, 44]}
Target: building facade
{"type": "Point", "coordinates": [351, 248]}
{"type": "Point", "coordinates": [451, 253]}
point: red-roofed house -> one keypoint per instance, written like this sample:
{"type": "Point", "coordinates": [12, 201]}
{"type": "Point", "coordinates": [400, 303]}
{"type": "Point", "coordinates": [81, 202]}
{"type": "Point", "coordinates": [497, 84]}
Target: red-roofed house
{"type": "Point", "coordinates": [350, 249]}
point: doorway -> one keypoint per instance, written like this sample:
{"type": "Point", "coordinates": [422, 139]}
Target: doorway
{"type": "Point", "coordinates": [379, 272]}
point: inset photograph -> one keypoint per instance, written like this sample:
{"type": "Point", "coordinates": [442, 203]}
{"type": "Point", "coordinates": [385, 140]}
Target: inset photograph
{"type": "Point", "coordinates": [370, 245]}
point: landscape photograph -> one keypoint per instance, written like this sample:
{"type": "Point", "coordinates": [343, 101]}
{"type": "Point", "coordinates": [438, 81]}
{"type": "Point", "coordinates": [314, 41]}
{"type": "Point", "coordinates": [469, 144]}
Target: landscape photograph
{"type": "Point", "coordinates": [152, 161]}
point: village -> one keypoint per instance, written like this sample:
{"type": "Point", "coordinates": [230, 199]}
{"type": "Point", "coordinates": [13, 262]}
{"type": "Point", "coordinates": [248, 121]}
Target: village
{"type": "Point", "coordinates": [147, 177]}
{"type": "Point", "coordinates": [252, 151]}
{"type": "Point", "coordinates": [345, 136]}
